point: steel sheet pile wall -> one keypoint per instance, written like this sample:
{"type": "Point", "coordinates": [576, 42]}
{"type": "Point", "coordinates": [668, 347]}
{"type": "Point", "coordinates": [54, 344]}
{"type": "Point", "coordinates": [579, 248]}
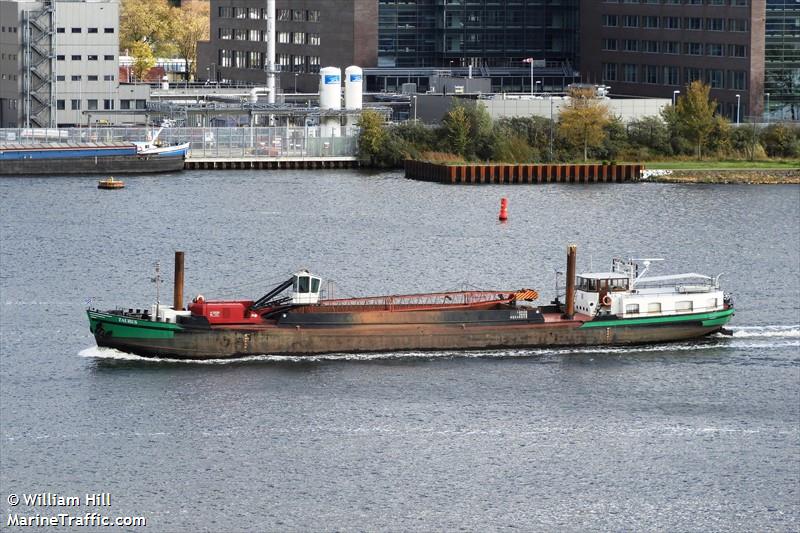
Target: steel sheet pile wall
{"type": "Point", "coordinates": [521, 173]}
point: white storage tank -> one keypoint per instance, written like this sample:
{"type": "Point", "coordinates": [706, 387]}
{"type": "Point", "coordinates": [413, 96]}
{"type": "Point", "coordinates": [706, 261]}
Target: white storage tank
{"type": "Point", "coordinates": [353, 87]}
{"type": "Point", "coordinates": [330, 88]}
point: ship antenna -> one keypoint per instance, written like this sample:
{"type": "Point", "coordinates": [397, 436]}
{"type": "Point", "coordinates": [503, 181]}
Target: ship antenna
{"type": "Point", "coordinates": [157, 281]}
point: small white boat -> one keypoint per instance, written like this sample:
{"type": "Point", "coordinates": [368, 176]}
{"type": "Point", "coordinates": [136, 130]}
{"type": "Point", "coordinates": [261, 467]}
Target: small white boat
{"type": "Point", "coordinates": [155, 147]}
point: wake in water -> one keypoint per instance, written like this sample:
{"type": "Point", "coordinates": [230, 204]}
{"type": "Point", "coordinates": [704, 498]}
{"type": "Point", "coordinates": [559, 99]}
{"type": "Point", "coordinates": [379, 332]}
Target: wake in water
{"type": "Point", "coordinates": [775, 337]}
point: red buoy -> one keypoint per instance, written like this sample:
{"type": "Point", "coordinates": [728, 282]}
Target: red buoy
{"type": "Point", "coordinates": [503, 210]}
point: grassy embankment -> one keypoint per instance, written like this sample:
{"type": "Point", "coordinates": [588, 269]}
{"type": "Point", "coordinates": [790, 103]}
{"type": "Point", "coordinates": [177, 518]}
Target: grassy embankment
{"type": "Point", "coordinates": [772, 171]}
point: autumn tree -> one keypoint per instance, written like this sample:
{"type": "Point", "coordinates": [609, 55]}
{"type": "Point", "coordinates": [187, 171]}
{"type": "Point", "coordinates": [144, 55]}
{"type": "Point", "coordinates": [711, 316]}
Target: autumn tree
{"type": "Point", "coordinates": [694, 115]}
{"type": "Point", "coordinates": [143, 59]}
{"type": "Point", "coordinates": [371, 136]}
{"type": "Point", "coordinates": [190, 24]}
{"type": "Point", "coordinates": [456, 129]}
{"type": "Point", "coordinates": [148, 21]}
{"type": "Point", "coordinates": [582, 121]}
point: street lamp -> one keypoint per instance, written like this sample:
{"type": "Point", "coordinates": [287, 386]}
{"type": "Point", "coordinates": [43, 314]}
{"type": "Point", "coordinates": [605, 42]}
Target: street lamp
{"type": "Point", "coordinates": [674, 97]}
{"type": "Point", "coordinates": [767, 111]}
{"type": "Point", "coordinates": [295, 83]}
{"type": "Point", "coordinates": [415, 108]}
{"type": "Point", "coordinates": [738, 106]}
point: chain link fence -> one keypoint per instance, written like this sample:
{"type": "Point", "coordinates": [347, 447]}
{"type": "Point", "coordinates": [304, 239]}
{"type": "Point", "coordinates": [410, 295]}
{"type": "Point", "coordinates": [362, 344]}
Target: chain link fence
{"type": "Point", "coordinates": [216, 143]}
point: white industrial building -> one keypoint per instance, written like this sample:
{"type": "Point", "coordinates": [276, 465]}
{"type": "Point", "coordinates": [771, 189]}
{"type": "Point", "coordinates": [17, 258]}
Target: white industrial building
{"type": "Point", "coordinates": [59, 65]}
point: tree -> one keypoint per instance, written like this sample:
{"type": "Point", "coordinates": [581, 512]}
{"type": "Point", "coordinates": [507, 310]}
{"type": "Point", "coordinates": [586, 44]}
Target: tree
{"type": "Point", "coordinates": [457, 129]}
{"type": "Point", "coordinates": [147, 21]}
{"type": "Point", "coordinates": [143, 59]}
{"type": "Point", "coordinates": [371, 137]}
{"type": "Point", "coordinates": [190, 24]}
{"type": "Point", "coordinates": [583, 120]}
{"type": "Point", "coordinates": [694, 115]}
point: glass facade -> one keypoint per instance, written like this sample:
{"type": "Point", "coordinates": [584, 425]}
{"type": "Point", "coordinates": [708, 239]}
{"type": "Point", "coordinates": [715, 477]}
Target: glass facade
{"type": "Point", "coordinates": [782, 59]}
{"type": "Point", "coordinates": [480, 33]}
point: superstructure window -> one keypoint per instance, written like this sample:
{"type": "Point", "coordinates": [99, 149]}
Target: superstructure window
{"type": "Point", "coordinates": [654, 307]}
{"type": "Point", "coordinates": [683, 306]}
{"type": "Point", "coordinates": [632, 309]}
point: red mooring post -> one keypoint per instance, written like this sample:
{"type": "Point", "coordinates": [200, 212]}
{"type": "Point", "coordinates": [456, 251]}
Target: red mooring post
{"type": "Point", "coordinates": [503, 210]}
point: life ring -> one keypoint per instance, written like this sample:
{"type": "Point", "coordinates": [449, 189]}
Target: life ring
{"type": "Point", "coordinates": [606, 301]}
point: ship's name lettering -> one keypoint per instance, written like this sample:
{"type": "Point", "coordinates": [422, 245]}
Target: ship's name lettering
{"type": "Point", "coordinates": [127, 321]}
{"type": "Point", "coordinates": [519, 315]}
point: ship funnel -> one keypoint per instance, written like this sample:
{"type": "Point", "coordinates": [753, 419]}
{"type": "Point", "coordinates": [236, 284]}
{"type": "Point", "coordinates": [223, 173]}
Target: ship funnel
{"type": "Point", "coordinates": [569, 309]}
{"type": "Point", "coordinates": [177, 304]}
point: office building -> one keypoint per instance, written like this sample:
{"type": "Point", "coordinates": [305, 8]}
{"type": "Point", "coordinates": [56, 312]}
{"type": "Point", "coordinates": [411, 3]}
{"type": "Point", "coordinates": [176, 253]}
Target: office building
{"type": "Point", "coordinates": [782, 60]}
{"type": "Point", "coordinates": [657, 47]}
{"type": "Point", "coordinates": [310, 34]}
{"type": "Point", "coordinates": [480, 33]}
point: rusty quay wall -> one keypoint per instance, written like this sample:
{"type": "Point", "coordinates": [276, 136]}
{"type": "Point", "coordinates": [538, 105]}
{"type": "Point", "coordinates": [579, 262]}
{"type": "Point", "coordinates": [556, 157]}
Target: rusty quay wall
{"type": "Point", "coordinates": [474, 174]}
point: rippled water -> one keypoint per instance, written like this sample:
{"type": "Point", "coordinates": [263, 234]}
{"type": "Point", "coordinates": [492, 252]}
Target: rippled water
{"type": "Point", "coordinates": [690, 436]}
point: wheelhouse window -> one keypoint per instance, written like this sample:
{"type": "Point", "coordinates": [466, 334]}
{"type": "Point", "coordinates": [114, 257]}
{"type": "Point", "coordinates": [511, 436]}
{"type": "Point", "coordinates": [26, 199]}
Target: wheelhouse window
{"type": "Point", "coordinates": [632, 309]}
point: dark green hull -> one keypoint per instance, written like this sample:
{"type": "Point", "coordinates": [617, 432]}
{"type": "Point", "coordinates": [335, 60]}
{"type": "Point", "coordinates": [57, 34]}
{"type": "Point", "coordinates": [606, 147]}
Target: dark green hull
{"type": "Point", "coordinates": [158, 339]}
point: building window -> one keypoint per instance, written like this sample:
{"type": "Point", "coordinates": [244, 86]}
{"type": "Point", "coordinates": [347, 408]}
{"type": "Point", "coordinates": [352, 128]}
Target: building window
{"type": "Point", "coordinates": [59, 77]}
{"type": "Point", "coordinates": [283, 15]}
{"type": "Point", "coordinates": [630, 45]}
{"type": "Point", "coordinates": [609, 71]}
{"type": "Point", "coordinates": [59, 30]}
{"type": "Point", "coordinates": [609, 44]}
{"type": "Point", "coordinates": [693, 23]}
{"type": "Point", "coordinates": [650, 74]}
{"type": "Point", "coordinates": [671, 23]}
{"type": "Point", "coordinates": [108, 58]}
{"type": "Point", "coordinates": [715, 24]}
{"type": "Point", "coordinates": [715, 78]}
{"type": "Point", "coordinates": [225, 12]}
{"type": "Point", "coordinates": [650, 21]}
{"type": "Point", "coordinates": [61, 105]}
{"type": "Point", "coordinates": [91, 105]}
{"type": "Point", "coordinates": [76, 57]}
{"type": "Point", "coordinates": [298, 15]}
{"type": "Point", "coordinates": [299, 64]}
{"type": "Point", "coordinates": [76, 77]}
{"type": "Point", "coordinates": [255, 35]}
{"type": "Point", "coordinates": [108, 77]}
{"type": "Point", "coordinates": [651, 47]}
{"type": "Point", "coordinates": [298, 37]}
{"type": "Point", "coordinates": [141, 104]}
{"type": "Point", "coordinates": [283, 60]}
{"type": "Point", "coordinates": [312, 15]}
{"type": "Point", "coordinates": [76, 30]}
{"type": "Point", "coordinates": [630, 21]}
{"type": "Point", "coordinates": [225, 34]}
{"type": "Point", "coordinates": [60, 57]}
{"type": "Point", "coordinates": [225, 58]}
{"type": "Point", "coordinates": [313, 39]}
{"type": "Point", "coordinates": [239, 12]}
{"type": "Point", "coordinates": [91, 57]}
{"type": "Point", "coordinates": [692, 74]}
{"type": "Point", "coordinates": [671, 47]}
{"type": "Point", "coordinates": [737, 50]}
{"type": "Point", "coordinates": [75, 104]}
{"type": "Point", "coordinates": [693, 49]}
{"type": "Point", "coordinates": [254, 13]}
{"type": "Point", "coordinates": [108, 30]}
{"type": "Point", "coordinates": [715, 50]}
{"type": "Point", "coordinates": [108, 104]}
{"type": "Point", "coordinates": [91, 30]}
{"type": "Point", "coordinates": [737, 25]}
{"type": "Point", "coordinates": [283, 37]}
{"type": "Point", "coordinates": [91, 77]}
{"type": "Point", "coordinates": [610, 20]}
{"type": "Point", "coordinates": [738, 80]}
{"type": "Point", "coordinates": [254, 60]}
{"type": "Point", "coordinates": [125, 104]}
{"type": "Point", "coordinates": [629, 73]}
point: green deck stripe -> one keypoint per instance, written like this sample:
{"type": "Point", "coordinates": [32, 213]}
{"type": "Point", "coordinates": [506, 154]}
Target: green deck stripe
{"type": "Point", "coordinates": [715, 318]}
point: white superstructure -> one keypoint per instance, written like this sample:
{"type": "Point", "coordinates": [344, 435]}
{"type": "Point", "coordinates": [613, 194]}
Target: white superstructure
{"type": "Point", "coordinates": [626, 294]}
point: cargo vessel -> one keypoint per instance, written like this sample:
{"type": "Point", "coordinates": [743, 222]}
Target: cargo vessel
{"type": "Point", "coordinates": [618, 307]}
{"type": "Point", "coordinates": [58, 158]}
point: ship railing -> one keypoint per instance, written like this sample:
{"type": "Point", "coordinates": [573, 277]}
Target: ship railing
{"type": "Point", "coordinates": [418, 301]}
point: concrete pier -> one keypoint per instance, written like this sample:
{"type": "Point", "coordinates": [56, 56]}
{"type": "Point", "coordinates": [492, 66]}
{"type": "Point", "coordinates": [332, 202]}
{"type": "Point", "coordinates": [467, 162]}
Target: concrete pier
{"type": "Point", "coordinates": [476, 174]}
{"type": "Point", "coordinates": [245, 163]}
